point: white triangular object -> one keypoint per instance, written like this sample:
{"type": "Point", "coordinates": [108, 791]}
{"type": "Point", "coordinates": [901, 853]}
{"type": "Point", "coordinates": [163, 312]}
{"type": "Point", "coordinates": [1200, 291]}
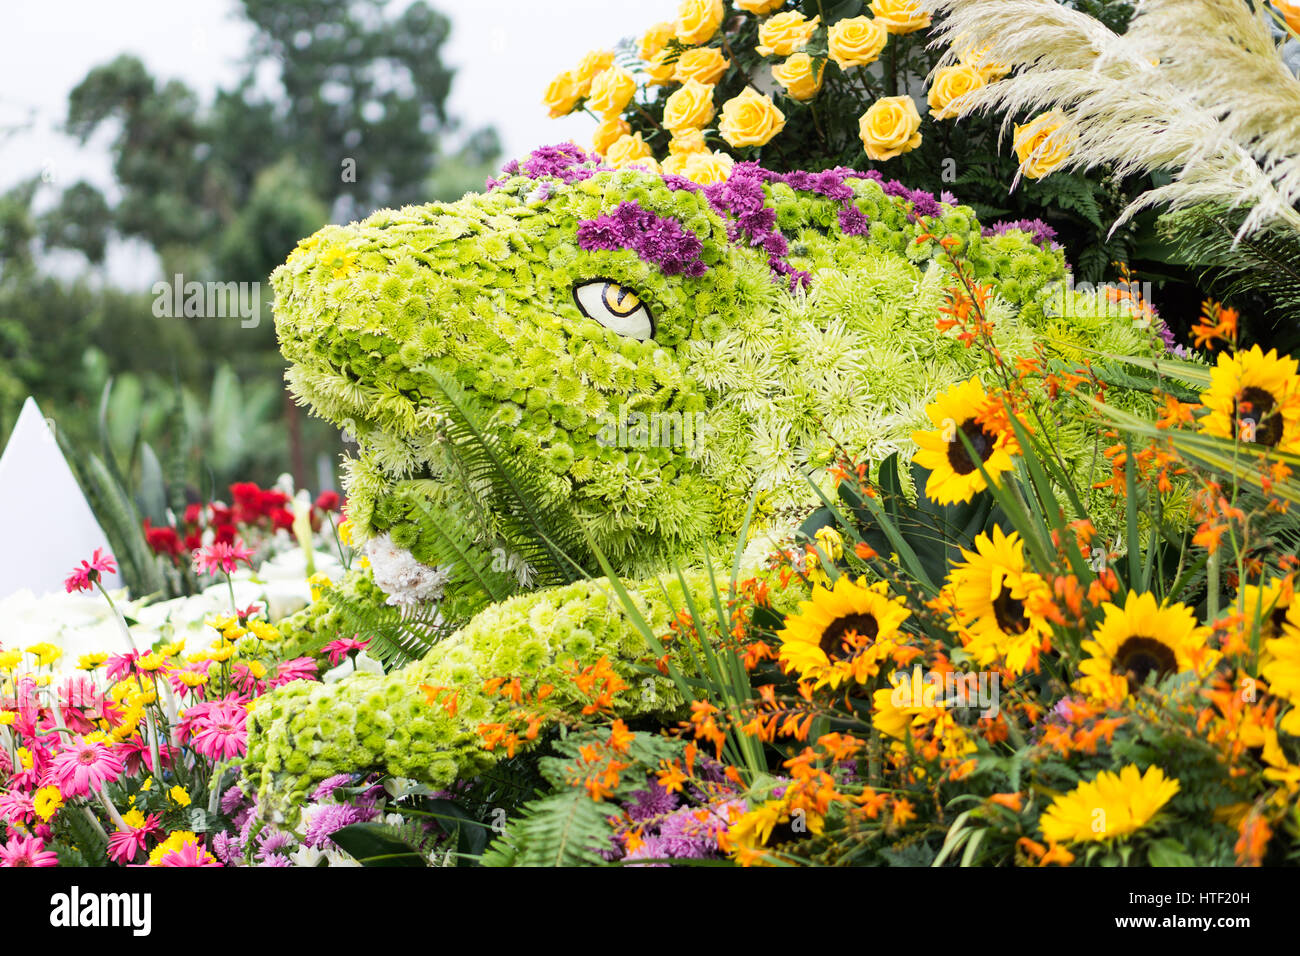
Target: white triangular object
{"type": "Point", "coordinates": [47, 523]}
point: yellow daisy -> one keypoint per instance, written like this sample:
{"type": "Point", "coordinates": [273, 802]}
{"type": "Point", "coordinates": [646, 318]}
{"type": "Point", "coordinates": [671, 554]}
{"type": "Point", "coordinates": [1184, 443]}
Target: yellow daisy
{"type": "Point", "coordinates": [769, 824]}
{"type": "Point", "coordinates": [954, 475]}
{"type": "Point", "coordinates": [843, 633]}
{"type": "Point", "coordinates": [1109, 807]}
{"type": "Point", "coordinates": [1141, 639]}
{"type": "Point", "coordinates": [1254, 397]}
{"type": "Point", "coordinates": [990, 595]}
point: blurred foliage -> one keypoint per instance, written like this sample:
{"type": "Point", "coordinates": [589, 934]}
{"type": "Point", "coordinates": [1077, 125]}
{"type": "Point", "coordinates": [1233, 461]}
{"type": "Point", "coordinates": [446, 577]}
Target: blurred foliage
{"type": "Point", "coordinates": [340, 108]}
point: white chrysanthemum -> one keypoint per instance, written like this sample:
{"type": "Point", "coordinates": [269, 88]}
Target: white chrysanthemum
{"type": "Point", "coordinates": [405, 580]}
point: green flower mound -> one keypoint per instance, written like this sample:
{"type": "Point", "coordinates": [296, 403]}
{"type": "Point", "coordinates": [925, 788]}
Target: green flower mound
{"type": "Point", "coordinates": [747, 381]}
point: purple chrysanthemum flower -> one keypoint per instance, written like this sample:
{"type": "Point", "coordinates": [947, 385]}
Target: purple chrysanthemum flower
{"type": "Point", "coordinates": [228, 848]}
{"type": "Point", "coordinates": [651, 803]}
{"type": "Point", "coordinates": [1042, 233]}
{"type": "Point", "coordinates": [330, 818]}
{"type": "Point", "coordinates": [325, 790]}
{"type": "Point", "coordinates": [276, 859]}
{"type": "Point", "coordinates": [853, 222]}
{"type": "Point", "coordinates": [232, 800]}
{"type": "Point", "coordinates": [657, 239]}
{"type": "Point", "coordinates": [271, 842]}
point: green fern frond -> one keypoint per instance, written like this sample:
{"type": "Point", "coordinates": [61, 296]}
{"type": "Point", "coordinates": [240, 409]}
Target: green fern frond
{"type": "Point", "coordinates": [540, 529]}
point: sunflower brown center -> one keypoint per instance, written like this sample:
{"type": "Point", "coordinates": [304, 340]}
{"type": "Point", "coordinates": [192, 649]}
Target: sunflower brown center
{"type": "Point", "coordinates": [1256, 418]}
{"type": "Point", "coordinates": [981, 443]}
{"type": "Point", "coordinates": [1277, 619]}
{"type": "Point", "coordinates": [832, 642]}
{"type": "Point", "coordinates": [1009, 612]}
{"type": "Point", "coordinates": [1140, 656]}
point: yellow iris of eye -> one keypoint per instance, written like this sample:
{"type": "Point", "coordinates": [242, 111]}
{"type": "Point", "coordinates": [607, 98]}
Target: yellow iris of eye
{"type": "Point", "coordinates": [620, 300]}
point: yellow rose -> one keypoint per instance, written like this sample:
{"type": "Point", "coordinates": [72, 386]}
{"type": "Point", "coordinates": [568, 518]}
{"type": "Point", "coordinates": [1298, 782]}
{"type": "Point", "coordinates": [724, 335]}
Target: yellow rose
{"type": "Point", "coordinates": [687, 141]}
{"type": "Point", "coordinates": [1042, 144]}
{"type": "Point", "coordinates": [750, 119]}
{"type": "Point", "coordinates": [758, 7]}
{"type": "Point", "coordinates": [856, 41]}
{"type": "Point", "coordinates": [951, 83]}
{"type": "Point", "coordinates": [590, 66]}
{"type": "Point", "coordinates": [562, 95]}
{"type": "Point", "coordinates": [698, 21]}
{"type": "Point", "coordinates": [705, 64]}
{"type": "Point", "coordinates": [628, 148]}
{"type": "Point", "coordinates": [610, 129]}
{"type": "Point", "coordinates": [611, 91]}
{"type": "Point", "coordinates": [689, 107]}
{"type": "Point", "coordinates": [978, 59]}
{"type": "Point", "coordinates": [654, 40]}
{"type": "Point", "coordinates": [900, 16]}
{"type": "Point", "coordinates": [706, 168]}
{"type": "Point", "coordinates": [890, 127]}
{"type": "Point", "coordinates": [785, 33]}
{"type": "Point", "coordinates": [796, 74]}
{"type": "Point", "coordinates": [658, 70]}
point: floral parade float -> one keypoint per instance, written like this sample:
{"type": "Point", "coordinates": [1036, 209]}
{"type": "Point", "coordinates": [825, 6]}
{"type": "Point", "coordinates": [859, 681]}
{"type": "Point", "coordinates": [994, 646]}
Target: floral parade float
{"type": "Point", "coordinates": [701, 510]}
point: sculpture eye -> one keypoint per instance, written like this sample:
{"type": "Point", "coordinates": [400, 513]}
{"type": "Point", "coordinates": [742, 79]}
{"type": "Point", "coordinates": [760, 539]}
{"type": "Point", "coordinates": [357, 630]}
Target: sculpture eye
{"type": "Point", "coordinates": [616, 307]}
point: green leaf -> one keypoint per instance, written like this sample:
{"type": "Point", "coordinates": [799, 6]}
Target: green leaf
{"type": "Point", "coordinates": [373, 844]}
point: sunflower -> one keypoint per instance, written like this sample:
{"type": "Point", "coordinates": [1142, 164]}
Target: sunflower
{"type": "Point", "coordinates": [753, 834]}
{"type": "Point", "coordinates": [1255, 397]}
{"type": "Point", "coordinates": [1141, 639]}
{"type": "Point", "coordinates": [913, 704]}
{"type": "Point", "coordinates": [990, 595]}
{"type": "Point", "coordinates": [1283, 670]}
{"type": "Point", "coordinates": [954, 475]}
{"type": "Point", "coordinates": [843, 633]}
{"type": "Point", "coordinates": [1269, 606]}
{"type": "Point", "coordinates": [1111, 806]}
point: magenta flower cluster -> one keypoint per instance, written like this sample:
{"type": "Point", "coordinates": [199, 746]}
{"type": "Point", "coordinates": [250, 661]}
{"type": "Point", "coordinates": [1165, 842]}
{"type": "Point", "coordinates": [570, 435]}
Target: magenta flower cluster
{"type": "Point", "coordinates": [661, 240]}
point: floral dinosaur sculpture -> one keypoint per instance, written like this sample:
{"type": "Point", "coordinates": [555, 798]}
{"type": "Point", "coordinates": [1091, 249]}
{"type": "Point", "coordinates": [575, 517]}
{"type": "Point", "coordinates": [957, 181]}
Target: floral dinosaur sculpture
{"type": "Point", "coordinates": [659, 353]}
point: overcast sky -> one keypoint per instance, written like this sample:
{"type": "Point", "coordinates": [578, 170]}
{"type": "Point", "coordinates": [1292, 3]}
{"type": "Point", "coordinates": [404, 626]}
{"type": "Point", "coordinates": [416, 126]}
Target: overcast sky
{"type": "Point", "coordinates": [504, 51]}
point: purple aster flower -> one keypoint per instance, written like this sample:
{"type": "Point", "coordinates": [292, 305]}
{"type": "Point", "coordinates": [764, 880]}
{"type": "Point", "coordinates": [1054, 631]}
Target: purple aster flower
{"type": "Point", "coordinates": [657, 239]}
{"type": "Point", "coordinates": [271, 842]}
{"type": "Point", "coordinates": [228, 848]}
{"type": "Point", "coordinates": [853, 222]}
{"type": "Point", "coordinates": [326, 788]}
{"type": "Point", "coordinates": [330, 818]}
{"type": "Point", "coordinates": [1042, 233]}
{"type": "Point", "coordinates": [232, 800]}
{"type": "Point", "coordinates": [651, 803]}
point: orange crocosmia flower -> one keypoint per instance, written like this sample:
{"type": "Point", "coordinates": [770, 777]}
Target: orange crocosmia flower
{"type": "Point", "coordinates": [871, 802]}
{"type": "Point", "coordinates": [620, 738]}
{"type": "Point", "coordinates": [904, 812]}
{"type": "Point", "coordinates": [864, 551]}
{"type": "Point", "coordinates": [1253, 842]}
{"type": "Point", "coordinates": [1032, 847]}
{"type": "Point", "coordinates": [670, 777]}
{"type": "Point", "coordinates": [1057, 854]}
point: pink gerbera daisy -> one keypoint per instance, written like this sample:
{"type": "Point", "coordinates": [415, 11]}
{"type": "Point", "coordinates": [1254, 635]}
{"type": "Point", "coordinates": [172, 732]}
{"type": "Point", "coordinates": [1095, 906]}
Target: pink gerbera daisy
{"type": "Point", "coordinates": [125, 845]}
{"type": "Point", "coordinates": [82, 766]}
{"type": "Point", "coordinates": [85, 577]}
{"type": "Point", "coordinates": [190, 854]}
{"type": "Point", "coordinates": [339, 649]}
{"type": "Point", "coordinates": [300, 668]}
{"type": "Point", "coordinates": [221, 732]}
{"type": "Point", "coordinates": [27, 852]}
{"type": "Point", "coordinates": [220, 556]}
